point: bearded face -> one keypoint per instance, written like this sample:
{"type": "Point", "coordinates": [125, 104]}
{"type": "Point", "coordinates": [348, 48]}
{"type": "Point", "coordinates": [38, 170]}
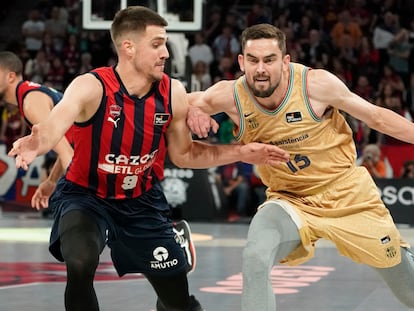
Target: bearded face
{"type": "Point", "coordinates": [263, 86]}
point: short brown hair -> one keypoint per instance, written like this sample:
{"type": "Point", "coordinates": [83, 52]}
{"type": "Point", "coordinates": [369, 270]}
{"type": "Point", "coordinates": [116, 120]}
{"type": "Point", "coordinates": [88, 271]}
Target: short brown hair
{"type": "Point", "coordinates": [11, 61]}
{"type": "Point", "coordinates": [134, 19]}
{"type": "Point", "coordinates": [264, 31]}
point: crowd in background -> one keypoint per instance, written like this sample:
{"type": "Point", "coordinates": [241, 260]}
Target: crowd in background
{"type": "Point", "coordinates": [369, 44]}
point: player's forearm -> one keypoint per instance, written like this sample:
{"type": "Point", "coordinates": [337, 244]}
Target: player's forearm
{"type": "Point", "coordinates": [202, 155]}
{"type": "Point", "coordinates": [57, 171]}
{"type": "Point", "coordinates": [393, 124]}
{"type": "Point", "coordinates": [49, 135]}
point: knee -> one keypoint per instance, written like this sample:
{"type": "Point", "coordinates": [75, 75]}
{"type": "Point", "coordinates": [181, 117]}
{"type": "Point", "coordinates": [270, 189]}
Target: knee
{"type": "Point", "coordinates": [85, 264]}
{"type": "Point", "coordinates": [258, 254]}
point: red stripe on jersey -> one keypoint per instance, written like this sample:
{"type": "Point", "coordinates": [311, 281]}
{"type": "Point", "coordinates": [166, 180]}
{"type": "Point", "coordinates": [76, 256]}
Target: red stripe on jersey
{"type": "Point", "coordinates": [124, 141]}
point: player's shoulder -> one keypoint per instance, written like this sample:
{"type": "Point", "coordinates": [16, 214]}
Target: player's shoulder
{"type": "Point", "coordinates": [177, 87]}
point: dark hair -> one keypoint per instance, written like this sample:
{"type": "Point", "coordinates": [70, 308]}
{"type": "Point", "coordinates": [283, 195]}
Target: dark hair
{"type": "Point", "coordinates": [11, 61]}
{"type": "Point", "coordinates": [264, 31]}
{"type": "Point", "coordinates": [134, 19]}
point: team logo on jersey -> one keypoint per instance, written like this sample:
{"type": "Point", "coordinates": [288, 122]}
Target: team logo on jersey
{"type": "Point", "coordinates": [161, 118]}
{"type": "Point", "coordinates": [391, 252]}
{"type": "Point", "coordinates": [114, 114]}
{"type": "Point", "coordinates": [252, 123]}
{"type": "Point", "coordinates": [293, 117]}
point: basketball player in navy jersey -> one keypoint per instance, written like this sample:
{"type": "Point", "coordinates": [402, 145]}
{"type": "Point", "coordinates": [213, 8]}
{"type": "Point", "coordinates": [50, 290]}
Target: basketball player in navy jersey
{"type": "Point", "coordinates": [126, 117]}
{"type": "Point", "coordinates": [35, 101]}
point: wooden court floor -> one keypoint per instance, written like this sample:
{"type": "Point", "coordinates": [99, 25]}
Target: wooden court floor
{"type": "Point", "coordinates": [30, 279]}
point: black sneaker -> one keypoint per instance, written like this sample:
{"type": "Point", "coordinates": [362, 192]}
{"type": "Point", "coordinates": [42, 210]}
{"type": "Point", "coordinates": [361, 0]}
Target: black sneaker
{"type": "Point", "coordinates": [194, 305]}
{"type": "Point", "coordinates": [183, 237]}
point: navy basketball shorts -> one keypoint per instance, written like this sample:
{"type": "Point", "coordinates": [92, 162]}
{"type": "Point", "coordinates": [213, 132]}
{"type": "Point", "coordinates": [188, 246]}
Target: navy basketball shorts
{"type": "Point", "coordinates": [138, 231]}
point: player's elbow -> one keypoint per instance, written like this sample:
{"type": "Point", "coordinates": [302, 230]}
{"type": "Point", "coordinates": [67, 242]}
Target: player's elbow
{"type": "Point", "coordinates": [178, 160]}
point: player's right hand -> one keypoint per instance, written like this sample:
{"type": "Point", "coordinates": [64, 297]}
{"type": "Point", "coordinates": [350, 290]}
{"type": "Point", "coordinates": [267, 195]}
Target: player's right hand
{"type": "Point", "coordinates": [25, 149]}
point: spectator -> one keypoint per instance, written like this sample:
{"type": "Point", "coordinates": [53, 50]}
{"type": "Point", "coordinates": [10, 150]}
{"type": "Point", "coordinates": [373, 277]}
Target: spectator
{"type": "Point", "coordinates": [213, 26]}
{"type": "Point", "coordinates": [347, 54]}
{"type": "Point", "coordinates": [346, 26]}
{"type": "Point", "coordinates": [236, 188]}
{"type": "Point", "coordinates": [364, 88]}
{"type": "Point", "coordinates": [257, 14]}
{"type": "Point", "coordinates": [368, 60]}
{"type": "Point", "coordinates": [371, 159]}
{"type": "Point", "coordinates": [361, 15]}
{"type": "Point", "coordinates": [71, 57]}
{"type": "Point", "coordinates": [32, 30]}
{"type": "Point", "coordinates": [85, 63]}
{"type": "Point", "coordinates": [235, 21]}
{"type": "Point", "coordinates": [224, 70]}
{"type": "Point", "coordinates": [399, 53]}
{"type": "Point", "coordinates": [201, 75]}
{"type": "Point", "coordinates": [384, 33]}
{"type": "Point", "coordinates": [315, 50]}
{"type": "Point", "coordinates": [200, 51]}
{"type": "Point", "coordinates": [407, 170]}
{"type": "Point", "coordinates": [226, 44]}
{"type": "Point", "coordinates": [330, 15]}
{"type": "Point", "coordinates": [48, 47]}
{"type": "Point", "coordinates": [56, 75]}
{"type": "Point", "coordinates": [38, 68]}
{"type": "Point", "coordinates": [302, 31]}
{"type": "Point", "coordinates": [338, 68]}
{"type": "Point", "coordinates": [57, 27]}
{"type": "Point", "coordinates": [361, 132]}
{"type": "Point", "coordinates": [389, 76]}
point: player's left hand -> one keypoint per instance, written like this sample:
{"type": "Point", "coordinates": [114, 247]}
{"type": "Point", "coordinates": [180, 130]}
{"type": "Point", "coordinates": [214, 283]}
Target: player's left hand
{"type": "Point", "coordinates": [40, 199]}
{"type": "Point", "coordinates": [200, 123]}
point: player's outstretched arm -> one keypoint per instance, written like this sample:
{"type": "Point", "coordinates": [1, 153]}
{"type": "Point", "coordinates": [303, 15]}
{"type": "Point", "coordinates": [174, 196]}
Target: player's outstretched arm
{"type": "Point", "coordinates": [184, 152]}
{"type": "Point", "coordinates": [79, 103]}
{"type": "Point", "coordinates": [378, 118]}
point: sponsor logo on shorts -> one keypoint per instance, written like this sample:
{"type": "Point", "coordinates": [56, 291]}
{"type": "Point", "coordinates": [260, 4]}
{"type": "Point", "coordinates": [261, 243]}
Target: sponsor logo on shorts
{"type": "Point", "coordinates": [161, 259]}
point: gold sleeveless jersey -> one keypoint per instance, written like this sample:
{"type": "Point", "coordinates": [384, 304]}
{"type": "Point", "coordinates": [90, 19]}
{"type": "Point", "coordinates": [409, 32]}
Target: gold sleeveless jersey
{"type": "Point", "coordinates": [321, 147]}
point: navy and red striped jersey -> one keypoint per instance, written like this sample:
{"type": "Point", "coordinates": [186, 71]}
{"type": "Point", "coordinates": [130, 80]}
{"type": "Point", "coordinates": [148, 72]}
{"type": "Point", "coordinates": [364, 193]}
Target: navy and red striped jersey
{"type": "Point", "coordinates": [25, 87]}
{"type": "Point", "coordinates": [120, 151]}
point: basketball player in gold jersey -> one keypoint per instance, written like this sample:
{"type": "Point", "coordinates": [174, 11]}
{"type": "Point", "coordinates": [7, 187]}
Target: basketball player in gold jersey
{"type": "Point", "coordinates": [320, 192]}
